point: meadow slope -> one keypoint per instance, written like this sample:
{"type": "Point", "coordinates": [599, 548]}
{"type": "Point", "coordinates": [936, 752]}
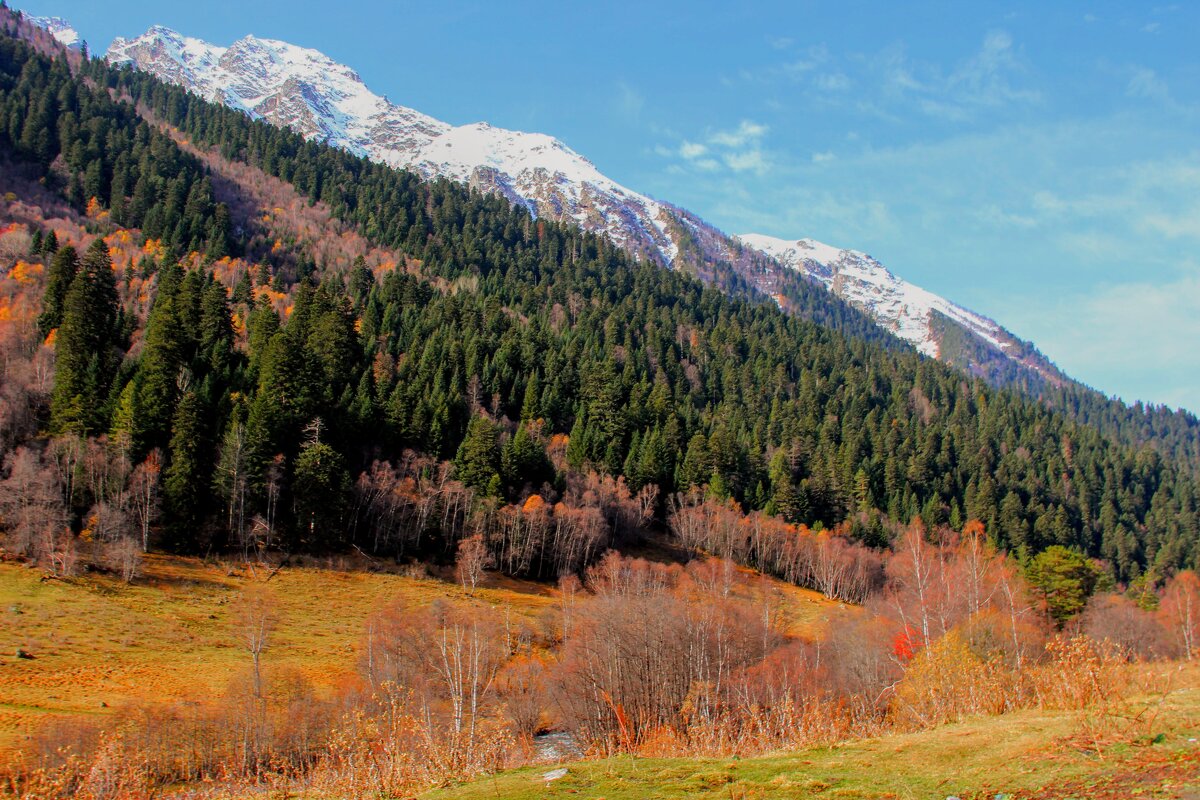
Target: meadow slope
{"type": "Point", "coordinates": [98, 644]}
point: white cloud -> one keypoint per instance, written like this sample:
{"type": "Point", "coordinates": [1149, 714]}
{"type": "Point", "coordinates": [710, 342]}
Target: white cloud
{"type": "Point", "coordinates": [890, 82]}
{"type": "Point", "coordinates": [833, 82]}
{"type": "Point", "coordinates": [1124, 337]}
{"type": "Point", "coordinates": [745, 133]}
{"type": "Point", "coordinates": [823, 158]}
{"type": "Point", "coordinates": [1146, 84]}
{"type": "Point", "coordinates": [746, 160]}
{"type": "Point", "coordinates": [738, 149]}
{"type": "Point", "coordinates": [1175, 226]}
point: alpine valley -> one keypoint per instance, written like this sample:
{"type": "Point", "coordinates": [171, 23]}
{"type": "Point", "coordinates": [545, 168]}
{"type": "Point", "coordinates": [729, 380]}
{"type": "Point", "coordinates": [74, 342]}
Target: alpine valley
{"type": "Point", "coordinates": [348, 454]}
{"type": "Point", "coordinates": [305, 90]}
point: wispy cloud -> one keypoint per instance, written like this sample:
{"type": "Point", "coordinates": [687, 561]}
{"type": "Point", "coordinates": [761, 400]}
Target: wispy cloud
{"type": "Point", "coordinates": [988, 80]}
{"type": "Point", "coordinates": [890, 84]}
{"type": "Point", "coordinates": [1144, 82]}
{"type": "Point", "coordinates": [628, 101]}
{"type": "Point", "coordinates": [833, 82]}
{"type": "Point", "coordinates": [1125, 337]}
{"type": "Point", "coordinates": [737, 149]}
{"type": "Point", "coordinates": [745, 133]}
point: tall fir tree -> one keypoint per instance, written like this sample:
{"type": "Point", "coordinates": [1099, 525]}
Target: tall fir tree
{"type": "Point", "coordinates": [63, 268]}
{"type": "Point", "coordinates": [86, 355]}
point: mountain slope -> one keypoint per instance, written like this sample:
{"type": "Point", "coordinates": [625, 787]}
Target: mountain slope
{"type": "Point", "coordinates": [307, 91]}
{"type": "Point", "coordinates": [60, 29]}
{"type": "Point", "coordinates": [634, 371]}
{"type": "Point", "coordinates": [916, 315]}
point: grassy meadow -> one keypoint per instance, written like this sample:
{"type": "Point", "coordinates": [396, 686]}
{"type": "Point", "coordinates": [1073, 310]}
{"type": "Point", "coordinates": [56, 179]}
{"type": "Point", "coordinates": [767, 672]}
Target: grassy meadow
{"type": "Point", "coordinates": [1152, 753]}
{"type": "Point", "coordinates": [98, 644]}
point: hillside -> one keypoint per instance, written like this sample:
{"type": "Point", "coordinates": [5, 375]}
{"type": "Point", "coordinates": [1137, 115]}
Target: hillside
{"type": "Point", "coordinates": [325, 101]}
{"type": "Point", "coordinates": [99, 645]}
{"type": "Point", "coordinates": [607, 364]}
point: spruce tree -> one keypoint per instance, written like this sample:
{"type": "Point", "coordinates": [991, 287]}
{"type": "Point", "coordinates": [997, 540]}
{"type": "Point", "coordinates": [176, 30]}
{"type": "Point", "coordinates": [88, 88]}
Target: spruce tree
{"type": "Point", "coordinates": [186, 481]}
{"type": "Point", "coordinates": [478, 459]}
{"type": "Point", "coordinates": [63, 268]}
{"type": "Point", "coordinates": [86, 359]}
{"type": "Point", "coordinates": [320, 486]}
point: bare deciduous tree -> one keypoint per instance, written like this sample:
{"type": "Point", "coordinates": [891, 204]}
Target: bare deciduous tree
{"type": "Point", "coordinates": [1180, 611]}
{"type": "Point", "coordinates": [31, 505]}
{"type": "Point", "coordinates": [255, 616]}
{"type": "Point", "coordinates": [473, 558]}
{"type": "Point", "coordinates": [143, 493]}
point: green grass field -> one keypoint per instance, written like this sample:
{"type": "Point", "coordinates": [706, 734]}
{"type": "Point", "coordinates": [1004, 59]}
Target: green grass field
{"type": "Point", "coordinates": [1027, 754]}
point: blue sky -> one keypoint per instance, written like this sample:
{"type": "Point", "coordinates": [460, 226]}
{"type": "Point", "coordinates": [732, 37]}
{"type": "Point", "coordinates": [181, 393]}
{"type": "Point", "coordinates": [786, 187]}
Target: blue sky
{"type": "Point", "coordinates": [1036, 162]}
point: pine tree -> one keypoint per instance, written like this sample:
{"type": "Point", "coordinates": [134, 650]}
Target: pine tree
{"type": "Point", "coordinates": [164, 357]}
{"type": "Point", "coordinates": [320, 488]}
{"type": "Point", "coordinates": [524, 461]}
{"type": "Point", "coordinates": [63, 268]}
{"type": "Point", "coordinates": [1063, 579]}
{"type": "Point", "coordinates": [478, 459]}
{"type": "Point", "coordinates": [85, 355]}
{"type": "Point", "coordinates": [187, 479]}
{"type": "Point", "coordinates": [361, 281]}
{"type": "Point", "coordinates": [531, 402]}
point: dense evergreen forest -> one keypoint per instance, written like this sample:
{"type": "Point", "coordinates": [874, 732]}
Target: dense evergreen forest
{"type": "Point", "coordinates": [525, 352]}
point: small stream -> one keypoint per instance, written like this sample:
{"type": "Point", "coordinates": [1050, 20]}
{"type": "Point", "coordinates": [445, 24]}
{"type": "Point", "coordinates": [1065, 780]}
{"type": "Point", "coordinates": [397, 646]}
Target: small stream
{"type": "Point", "coordinates": [556, 746]}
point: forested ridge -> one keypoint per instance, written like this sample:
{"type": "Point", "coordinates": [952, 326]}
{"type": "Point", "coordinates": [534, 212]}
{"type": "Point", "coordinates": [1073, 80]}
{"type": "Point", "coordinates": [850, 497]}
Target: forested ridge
{"type": "Point", "coordinates": [281, 395]}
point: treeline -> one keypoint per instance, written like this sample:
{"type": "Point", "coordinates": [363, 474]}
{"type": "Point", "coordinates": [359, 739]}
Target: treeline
{"type": "Point", "coordinates": [522, 351]}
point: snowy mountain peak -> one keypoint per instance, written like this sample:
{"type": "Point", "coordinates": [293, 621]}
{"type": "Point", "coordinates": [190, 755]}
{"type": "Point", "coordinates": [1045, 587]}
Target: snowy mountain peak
{"type": "Point", "coordinates": [902, 307]}
{"type": "Point", "coordinates": [307, 91]}
{"type": "Point", "coordinates": [60, 29]}
{"type": "Point", "coordinates": [314, 95]}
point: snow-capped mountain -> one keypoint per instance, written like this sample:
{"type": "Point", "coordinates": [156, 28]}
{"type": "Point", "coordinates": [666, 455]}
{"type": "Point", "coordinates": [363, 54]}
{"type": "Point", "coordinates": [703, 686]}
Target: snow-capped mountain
{"type": "Point", "coordinates": [307, 91]}
{"type": "Point", "coordinates": [321, 99]}
{"type": "Point", "coordinates": [910, 312]}
{"type": "Point", "coordinates": [60, 29]}
{"type": "Point", "coordinates": [896, 304]}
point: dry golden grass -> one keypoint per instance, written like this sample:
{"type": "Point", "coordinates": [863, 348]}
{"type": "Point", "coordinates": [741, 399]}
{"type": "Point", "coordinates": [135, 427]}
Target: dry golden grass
{"type": "Point", "coordinates": [98, 644]}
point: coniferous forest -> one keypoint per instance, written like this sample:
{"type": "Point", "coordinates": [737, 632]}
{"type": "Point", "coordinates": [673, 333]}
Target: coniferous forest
{"type": "Point", "coordinates": [508, 356]}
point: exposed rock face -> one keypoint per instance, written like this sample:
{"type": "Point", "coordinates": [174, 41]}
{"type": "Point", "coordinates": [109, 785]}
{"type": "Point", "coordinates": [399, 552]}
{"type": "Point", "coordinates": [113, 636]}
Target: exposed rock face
{"type": "Point", "coordinates": [60, 29]}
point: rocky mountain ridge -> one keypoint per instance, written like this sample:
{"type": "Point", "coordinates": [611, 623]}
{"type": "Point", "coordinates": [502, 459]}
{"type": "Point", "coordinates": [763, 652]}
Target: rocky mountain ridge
{"type": "Point", "coordinates": [307, 91]}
